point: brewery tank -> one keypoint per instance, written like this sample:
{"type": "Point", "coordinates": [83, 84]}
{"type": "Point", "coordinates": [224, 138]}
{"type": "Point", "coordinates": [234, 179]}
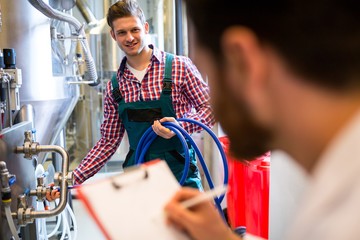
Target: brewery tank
{"type": "Point", "coordinates": [46, 63]}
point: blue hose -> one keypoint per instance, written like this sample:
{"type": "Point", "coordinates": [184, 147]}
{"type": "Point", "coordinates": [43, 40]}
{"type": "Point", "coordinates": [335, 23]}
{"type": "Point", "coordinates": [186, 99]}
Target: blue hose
{"type": "Point", "coordinates": [147, 145]}
{"type": "Point", "coordinates": [149, 136]}
{"type": "Point", "coordinates": [218, 144]}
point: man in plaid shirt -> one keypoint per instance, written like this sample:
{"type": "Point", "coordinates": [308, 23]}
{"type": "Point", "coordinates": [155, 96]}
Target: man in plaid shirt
{"type": "Point", "coordinates": [151, 87]}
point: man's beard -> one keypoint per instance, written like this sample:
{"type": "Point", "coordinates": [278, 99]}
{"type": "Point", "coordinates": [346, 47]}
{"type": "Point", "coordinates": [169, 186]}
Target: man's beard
{"type": "Point", "coordinates": [247, 140]}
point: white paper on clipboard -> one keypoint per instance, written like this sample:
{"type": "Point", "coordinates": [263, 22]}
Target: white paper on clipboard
{"type": "Point", "coordinates": [130, 206]}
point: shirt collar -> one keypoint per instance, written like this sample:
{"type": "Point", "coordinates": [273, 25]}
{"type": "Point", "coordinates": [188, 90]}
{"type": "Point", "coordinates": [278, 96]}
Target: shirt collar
{"type": "Point", "coordinates": [156, 52]}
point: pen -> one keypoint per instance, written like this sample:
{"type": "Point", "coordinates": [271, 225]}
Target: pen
{"type": "Point", "coordinates": [204, 196]}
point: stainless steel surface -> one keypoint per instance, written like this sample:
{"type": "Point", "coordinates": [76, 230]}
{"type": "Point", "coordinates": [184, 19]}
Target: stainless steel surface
{"type": "Point", "coordinates": [50, 119]}
{"type": "Point", "coordinates": [52, 13]}
{"type": "Point", "coordinates": [51, 97]}
{"type": "Point", "coordinates": [26, 113]}
{"type": "Point", "coordinates": [106, 52]}
{"type": "Point", "coordinates": [44, 8]}
{"type": "Point", "coordinates": [29, 35]}
{"type": "Point", "coordinates": [19, 166]}
{"type": "Point", "coordinates": [82, 130]}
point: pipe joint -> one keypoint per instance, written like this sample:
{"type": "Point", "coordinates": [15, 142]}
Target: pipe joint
{"type": "Point", "coordinates": [24, 216]}
{"type": "Point", "coordinates": [57, 178]}
{"type": "Point", "coordinates": [30, 148]}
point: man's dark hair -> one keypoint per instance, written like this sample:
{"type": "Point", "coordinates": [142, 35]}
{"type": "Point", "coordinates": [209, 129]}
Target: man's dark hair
{"type": "Point", "coordinates": [124, 8]}
{"type": "Point", "coordinates": [319, 39]}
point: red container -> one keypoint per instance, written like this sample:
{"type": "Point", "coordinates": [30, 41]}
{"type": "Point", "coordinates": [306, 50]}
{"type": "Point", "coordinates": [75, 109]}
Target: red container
{"type": "Point", "coordinates": [248, 194]}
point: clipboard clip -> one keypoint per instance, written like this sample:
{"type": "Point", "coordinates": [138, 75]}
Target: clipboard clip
{"type": "Point", "coordinates": [118, 186]}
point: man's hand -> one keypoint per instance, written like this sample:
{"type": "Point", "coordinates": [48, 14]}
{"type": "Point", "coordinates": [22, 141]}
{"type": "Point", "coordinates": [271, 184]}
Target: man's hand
{"type": "Point", "coordinates": [52, 194]}
{"type": "Point", "coordinates": [201, 222]}
{"type": "Point", "coordinates": [163, 131]}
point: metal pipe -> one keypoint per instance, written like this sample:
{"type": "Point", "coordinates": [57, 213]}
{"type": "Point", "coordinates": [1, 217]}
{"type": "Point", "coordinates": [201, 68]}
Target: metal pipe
{"type": "Point", "coordinates": [89, 61]}
{"type": "Point", "coordinates": [55, 14]}
{"type": "Point", "coordinates": [179, 28]}
{"type": "Point", "coordinates": [63, 178]}
{"type": "Point", "coordinates": [63, 186]}
{"type": "Point", "coordinates": [87, 13]}
{"type": "Point", "coordinates": [79, 82]}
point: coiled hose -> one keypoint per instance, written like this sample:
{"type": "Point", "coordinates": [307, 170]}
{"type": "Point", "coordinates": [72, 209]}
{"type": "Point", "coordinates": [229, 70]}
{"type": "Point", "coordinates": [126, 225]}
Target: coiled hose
{"type": "Point", "coordinates": [149, 136]}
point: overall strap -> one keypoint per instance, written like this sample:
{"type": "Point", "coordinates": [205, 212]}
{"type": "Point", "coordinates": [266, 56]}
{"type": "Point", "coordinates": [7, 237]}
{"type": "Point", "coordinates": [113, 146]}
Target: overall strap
{"type": "Point", "coordinates": [167, 82]}
{"type": "Point", "coordinates": [115, 85]}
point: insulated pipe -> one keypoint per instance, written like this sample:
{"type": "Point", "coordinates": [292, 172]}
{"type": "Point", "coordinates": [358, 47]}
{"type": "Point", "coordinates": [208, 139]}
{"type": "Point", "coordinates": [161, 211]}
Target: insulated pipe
{"type": "Point", "coordinates": [63, 179]}
{"type": "Point", "coordinates": [89, 61]}
{"type": "Point", "coordinates": [86, 13]}
{"type": "Point", "coordinates": [55, 14]}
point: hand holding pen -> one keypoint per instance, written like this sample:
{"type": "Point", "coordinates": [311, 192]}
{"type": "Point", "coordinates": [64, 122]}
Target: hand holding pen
{"type": "Point", "coordinates": [193, 212]}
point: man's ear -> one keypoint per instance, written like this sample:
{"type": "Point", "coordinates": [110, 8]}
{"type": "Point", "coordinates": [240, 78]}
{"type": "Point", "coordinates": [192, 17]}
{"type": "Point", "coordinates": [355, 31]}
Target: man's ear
{"type": "Point", "coordinates": [146, 26]}
{"type": "Point", "coordinates": [245, 56]}
{"type": "Point", "coordinates": [112, 34]}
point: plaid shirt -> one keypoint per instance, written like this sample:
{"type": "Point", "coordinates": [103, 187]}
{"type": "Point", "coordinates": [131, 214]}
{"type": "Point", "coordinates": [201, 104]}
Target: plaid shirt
{"type": "Point", "coordinates": [189, 93]}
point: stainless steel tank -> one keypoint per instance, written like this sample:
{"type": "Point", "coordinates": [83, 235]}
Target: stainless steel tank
{"type": "Point", "coordinates": [28, 31]}
{"type": "Point", "coordinates": [52, 99]}
{"type": "Point", "coordinates": [107, 54]}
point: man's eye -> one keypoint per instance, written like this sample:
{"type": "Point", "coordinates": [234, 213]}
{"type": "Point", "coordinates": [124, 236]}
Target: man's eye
{"type": "Point", "coordinates": [121, 33]}
{"type": "Point", "coordinates": [135, 30]}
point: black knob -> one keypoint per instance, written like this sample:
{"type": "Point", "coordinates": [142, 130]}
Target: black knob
{"type": "Point", "coordinates": [9, 58]}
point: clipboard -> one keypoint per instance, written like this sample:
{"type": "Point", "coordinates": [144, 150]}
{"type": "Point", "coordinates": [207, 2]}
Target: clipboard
{"type": "Point", "coordinates": [130, 206]}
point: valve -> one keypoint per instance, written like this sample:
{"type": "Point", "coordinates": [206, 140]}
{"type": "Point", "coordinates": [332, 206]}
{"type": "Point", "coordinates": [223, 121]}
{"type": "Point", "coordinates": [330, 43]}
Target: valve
{"type": "Point", "coordinates": [30, 147]}
{"type": "Point", "coordinates": [12, 180]}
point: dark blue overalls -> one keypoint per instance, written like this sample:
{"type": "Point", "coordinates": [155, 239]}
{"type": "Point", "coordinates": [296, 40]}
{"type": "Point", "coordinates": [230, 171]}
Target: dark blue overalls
{"type": "Point", "coordinates": [137, 117]}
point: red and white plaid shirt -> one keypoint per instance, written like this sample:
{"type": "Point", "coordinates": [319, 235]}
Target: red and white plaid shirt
{"type": "Point", "coordinates": [189, 93]}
